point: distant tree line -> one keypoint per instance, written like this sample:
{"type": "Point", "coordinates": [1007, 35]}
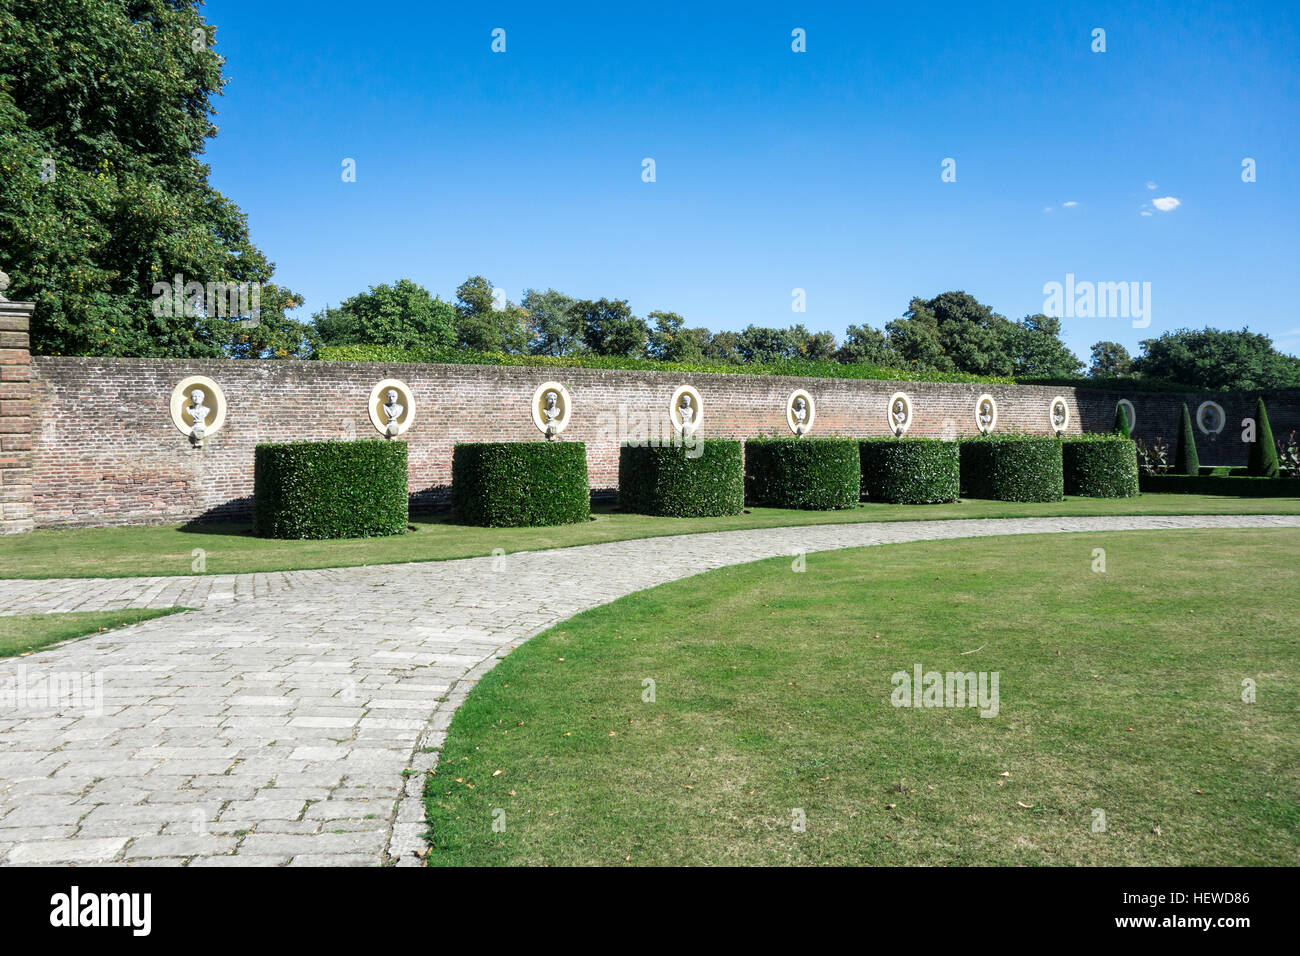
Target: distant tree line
{"type": "Point", "coordinates": [952, 332]}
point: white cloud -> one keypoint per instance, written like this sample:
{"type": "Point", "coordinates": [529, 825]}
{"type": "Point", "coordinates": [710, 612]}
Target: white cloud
{"type": "Point", "coordinates": [1150, 185]}
{"type": "Point", "coordinates": [1047, 209]}
{"type": "Point", "coordinates": [1069, 203]}
{"type": "Point", "coordinates": [1166, 203]}
{"type": "Point", "coordinates": [1146, 212]}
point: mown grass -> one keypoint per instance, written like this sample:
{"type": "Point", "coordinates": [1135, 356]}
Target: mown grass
{"type": "Point", "coordinates": [21, 634]}
{"type": "Point", "coordinates": [229, 548]}
{"type": "Point", "coordinates": [1119, 691]}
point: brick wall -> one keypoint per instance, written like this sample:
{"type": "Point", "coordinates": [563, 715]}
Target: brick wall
{"type": "Point", "coordinates": [16, 511]}
{"type": "Point", "coordinates": [106, 451]}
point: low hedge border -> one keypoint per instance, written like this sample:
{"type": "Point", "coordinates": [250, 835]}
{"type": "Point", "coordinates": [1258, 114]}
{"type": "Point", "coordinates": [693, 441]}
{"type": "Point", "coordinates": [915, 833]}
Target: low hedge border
{"type": "Point", "coordinates": [1240, 487]}
{"type": "Point", "coordinates": [1013, 468]}
{"type": "Point", "coordinates": [520, 484]}
{"type": "Point", "coordinates": [330, 489]}
{"type": "Point", "coordinates": [910, 471]}
{"type": "Point", "coordinates": [1100, 466]}
{"type": "Point", "coordinates": [665, 480]}
{"type": "Point", "coordinates": [816, 474]}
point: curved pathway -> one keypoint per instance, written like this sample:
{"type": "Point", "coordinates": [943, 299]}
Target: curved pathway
{"type": "Point", "coordinates": [291, 718]}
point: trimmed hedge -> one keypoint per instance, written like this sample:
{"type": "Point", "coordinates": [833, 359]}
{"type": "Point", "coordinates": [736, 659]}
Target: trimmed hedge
{"type": "Point", "coordinates": [818, 474]}
{"type": "Point", "coordinates": [329, 489]}
{"type": "Point", "coordinates": [910, 471]}
{"type": "Point", "coordinates": [1243, 487]}
{"type": "Point", "coordinates": [1100, 466]}
{"type": "Point", "coordinates": [1186, 461]}
{"type": "Point", "coordinates": [1262, 460]}
{"type": "Point", "coordinates": [520, 484]}
{"type": "Point", "coordinates": [664, 480]}
{"type": "Point", "coordinates": [1013, 468]}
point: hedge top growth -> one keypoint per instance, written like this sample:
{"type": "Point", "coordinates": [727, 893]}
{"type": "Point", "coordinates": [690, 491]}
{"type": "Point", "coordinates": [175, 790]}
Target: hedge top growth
{"type": "Point", "coordinates": [329, 489]}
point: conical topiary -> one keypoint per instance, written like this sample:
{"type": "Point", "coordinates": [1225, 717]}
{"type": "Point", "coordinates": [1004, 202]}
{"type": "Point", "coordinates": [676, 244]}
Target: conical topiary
{"type": "Point", "coordinates": [1121, 422]}
{"type": "Point", "coordinates": [1186, 462]}
{"type": "Point", "coordinates": [1263, 452]}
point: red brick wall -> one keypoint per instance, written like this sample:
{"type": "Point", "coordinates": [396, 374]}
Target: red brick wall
{"type": "Point", "coordinates": [106, 451]}
{"type": "Point", "coordinates": [15, 419]}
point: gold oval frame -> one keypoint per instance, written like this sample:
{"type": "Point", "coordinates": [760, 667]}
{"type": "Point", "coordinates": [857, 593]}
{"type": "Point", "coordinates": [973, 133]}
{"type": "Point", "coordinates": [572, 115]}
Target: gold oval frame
{"type": "Point", "coordinates": [180, 397]}
{"type": "Point", "coordinates": [374, 407]}
{"type": "Point", "coordinates": [566, 408]}
{"type": "Point", "coordinates": [789, 411]}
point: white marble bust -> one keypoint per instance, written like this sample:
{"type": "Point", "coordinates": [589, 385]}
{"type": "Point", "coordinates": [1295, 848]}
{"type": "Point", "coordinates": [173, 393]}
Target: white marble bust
{"type": "Point", "coordinates": [800, 415]}
{"type": "Point", "coordinates": [686, 410]}
{"type": "Point", "coordinates": [900, 415]}
{"type": "Point", "coordinates": [393, 411]}
{"type": "Point", "coordinates": [199, 413]}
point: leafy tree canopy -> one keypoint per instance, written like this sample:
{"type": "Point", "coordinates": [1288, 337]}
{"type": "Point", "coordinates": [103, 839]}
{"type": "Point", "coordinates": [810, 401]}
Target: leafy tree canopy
{"type": "Point", "coordinates": [404, 315]}
{"type": "Point", "coordinates": [1214, 359]}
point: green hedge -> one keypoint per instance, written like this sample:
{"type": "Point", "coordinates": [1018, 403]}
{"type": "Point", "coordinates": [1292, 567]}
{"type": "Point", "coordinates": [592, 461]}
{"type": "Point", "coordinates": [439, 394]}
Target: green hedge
{"type": "Point", "coordinates": [812, 473]}
{"type": "Point", "coordinates": [665, 480]}
{"type": "Point", "coordinates": [519, 484]}
{"type": "Point", "coordinates": [1100, 466]}
{"type": "Point", "coordinates": [1243, 487]}
{"type": "Point", "coordinates": [1013, 468]}
{"type": "Point", "coordinates": [911, 471]}
{"type": "Point", "coordinates": [329, 489]}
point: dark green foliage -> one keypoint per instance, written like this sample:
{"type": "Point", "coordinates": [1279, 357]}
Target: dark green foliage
{"type": "Point", "coordinates": [1228, 361]}
{"type": "Point", "coordinates": [517, 484]}
{"type": "Point", "coordinates": [1013, 468]}
{"type": "Point", "coordinates": [1100, 466]}
{"type": "Point", "coordinates": [912, 471]}
{"type": "Point", "coordinates": [403, 315]}
{"type": "Point", "coordinates": [665, 480]}
{"type": "Point", "coordinates": [1186, 461]}
{"type": "Point", "coordinates": [1122, 427]}
{"type": "Point", "coordinates": [1235, 486]}
{"type": "Point", "coordinates": [813, 473]}
{"type": "Point", "coordinates": [329, 489]}
{"type": "Point", "coordinates": [1262, 461]}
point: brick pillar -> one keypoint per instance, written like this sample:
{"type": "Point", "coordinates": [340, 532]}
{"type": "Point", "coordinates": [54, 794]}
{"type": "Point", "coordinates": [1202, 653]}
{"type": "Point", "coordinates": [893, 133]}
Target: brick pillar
{"type": "Point", "coordinates": [17, 511]}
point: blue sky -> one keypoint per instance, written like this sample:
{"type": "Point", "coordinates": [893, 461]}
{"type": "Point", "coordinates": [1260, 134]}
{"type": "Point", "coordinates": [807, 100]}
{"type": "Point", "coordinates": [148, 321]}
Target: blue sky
{"type": "Point", "coordinates": [775, 170]}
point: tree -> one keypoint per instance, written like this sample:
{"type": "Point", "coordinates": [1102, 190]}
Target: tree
{"type": "Point", "coordinates": [1122, 426]}
{"type": "Point", "coordinates": [862, 343]}
{"type": "Point", "coordinates": [1262, 460]}
{"type": "Point", "coordinates": [763, 345]}
{"type": "Point", "coordinates": [1186, 461]}
{"type": "Point", "coordinates": [1110, 360]}
{"type": "Point", "coordinates": [105, 108]}
{"type": "Point", "coordinates": [953, 332]}
{"type": "Point", "coordinates": [671, 341]}
{"type": "Point", "coordinates": [272, 334]}
{"type": "Point", "coordinates": [554, 327]}
{"type": "Point", "coordinates": [721, 347]}
{"type": "Point", "coordinates": [483, 327]}
{"type": "Point", "coordinates": [1212, 359]}
{"type": "Point", "coordinates": [610, 328]}
{"type": "Point", "coordinates": [815, 346]}
{"type": "Point", "coordinates": [1036, 350]}
{"type": "Point", "coordinates": [404, 315]}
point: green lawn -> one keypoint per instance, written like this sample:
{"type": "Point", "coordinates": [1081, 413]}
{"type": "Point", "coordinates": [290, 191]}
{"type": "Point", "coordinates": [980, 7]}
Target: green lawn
{"type": "Point", "coordinates": [231, 548]}
{"type": "Point", "coordinates": [1119, 691]}
{"type": "Point", "coordinates": [24, 633]}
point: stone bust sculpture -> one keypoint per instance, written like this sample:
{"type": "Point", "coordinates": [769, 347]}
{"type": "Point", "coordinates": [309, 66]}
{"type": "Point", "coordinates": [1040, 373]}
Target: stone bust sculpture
{"type": "Point", "coordinates": [393, 410]}
{"type": "Point", "coordinates": [686, 410]}
{"type": "Point", "coordinates": [1058, 414]}
{"type": "Point", "coordinates": [1210, 419]}
{"type": "Point", "coordinates": [900, 415]}
{"type": "Point", "coordinates": [198, 413]}
{"type": "Point", "coordinates": [986, 414]}
{"type": "Point", "coordinates": [4, 286]}
{"type": "Point", "coordinates": [550, 412]}
{"type": "Point", "coordinates": [800, 415]}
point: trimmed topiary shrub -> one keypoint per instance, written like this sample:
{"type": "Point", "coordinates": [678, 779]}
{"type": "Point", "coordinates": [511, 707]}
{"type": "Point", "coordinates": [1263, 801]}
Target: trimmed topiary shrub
{"type": "Point", "coordinates": [1186, 461]}
{"type": "Point", "coordinates": [813, 473]}
{"type": "Point", "coordinates": [1262, 460]}
{"type": "Point", "coordinates": [329, 489]}
{"type": "Point", "coordinates": [520, 484]}
{"type": "Point", "coordinates": [1100, 466]}
{"type": "Point", "coordinates": [1013, 468]}
{"type": "Point", "coordinates": [1122, 426]}
{"type": "Point", "coordinates": [910, 471]}
{"type": "Point", "coordinates": [665, 480]}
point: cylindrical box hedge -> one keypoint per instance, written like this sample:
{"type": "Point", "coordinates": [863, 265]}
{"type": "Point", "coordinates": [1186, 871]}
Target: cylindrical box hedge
{"type": "Point", "coordinates": [518, 484]}
{"type": "Point", "coordinates": [704, 480]}
{"type": "Point", "coordinates": [1100, 466]}
{"type": "Point", "coordinates": [329, 489]}
{"type": "Point", "coordinates": [818, 474]}
{"type": "Point", "coordinates": [1012, 468]}
{"type": "Point", "coordinates": [910, 471]}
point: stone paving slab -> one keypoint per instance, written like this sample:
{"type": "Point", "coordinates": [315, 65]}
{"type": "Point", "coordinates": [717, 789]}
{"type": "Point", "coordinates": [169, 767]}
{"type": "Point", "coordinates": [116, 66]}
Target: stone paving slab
{"type": "Point", "coordinates": [291, 719]}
